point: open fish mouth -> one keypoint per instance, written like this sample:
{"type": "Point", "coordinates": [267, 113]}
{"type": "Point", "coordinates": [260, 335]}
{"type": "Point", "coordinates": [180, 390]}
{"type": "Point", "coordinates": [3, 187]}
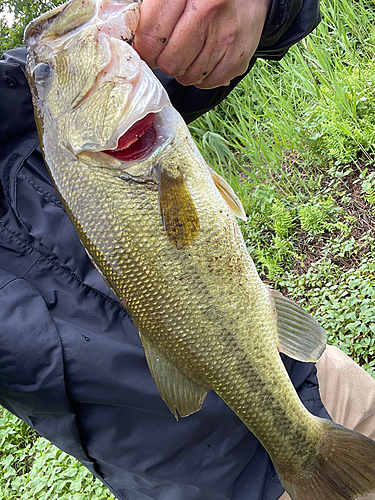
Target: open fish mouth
{"type": "Point", "coordinates": [138, 142]}
{"type": "Point", "coordinates": [147, 137]}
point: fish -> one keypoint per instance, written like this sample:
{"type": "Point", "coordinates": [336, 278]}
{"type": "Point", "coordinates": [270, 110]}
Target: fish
{"type": "Point", "coordinates": [161, 228]}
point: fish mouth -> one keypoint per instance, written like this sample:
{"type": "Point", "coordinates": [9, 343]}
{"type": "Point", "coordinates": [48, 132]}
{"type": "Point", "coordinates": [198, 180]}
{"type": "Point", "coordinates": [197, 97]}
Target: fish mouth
{"type": "Point", "coordinates": [138, 142]}
{"type": "Point", "coordinates": [147, 140]}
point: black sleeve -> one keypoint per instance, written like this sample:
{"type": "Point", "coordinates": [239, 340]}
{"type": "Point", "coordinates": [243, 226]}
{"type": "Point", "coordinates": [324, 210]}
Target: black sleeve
{"type": "Point", "coordinates": [288, 22]}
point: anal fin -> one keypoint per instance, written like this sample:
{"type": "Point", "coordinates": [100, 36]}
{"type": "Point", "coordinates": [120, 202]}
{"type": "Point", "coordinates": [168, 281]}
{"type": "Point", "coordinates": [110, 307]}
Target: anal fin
{"type": "Point", "coordinates": [299, 335]}
{"type": "Point", "coordinates": [179, 393]}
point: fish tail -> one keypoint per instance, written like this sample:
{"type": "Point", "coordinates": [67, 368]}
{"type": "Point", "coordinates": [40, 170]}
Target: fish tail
{"type": "Point", "coordinates": [342, 468]}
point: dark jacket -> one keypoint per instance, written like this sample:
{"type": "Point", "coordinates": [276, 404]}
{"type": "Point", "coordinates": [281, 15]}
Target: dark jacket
{"type": "Point", "coordinates": [71, 361]}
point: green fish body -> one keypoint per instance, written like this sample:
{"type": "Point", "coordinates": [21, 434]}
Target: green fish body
{"type": "Point", "coordinates": [160, 226]}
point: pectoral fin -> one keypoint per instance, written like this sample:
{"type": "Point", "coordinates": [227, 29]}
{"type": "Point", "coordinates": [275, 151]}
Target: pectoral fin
{"type": "Point", "coordinates": [299, 335]}
{"type": "Point", "coordinates": [229, 195]}
{"type": "Point", "coordinates": [179, 393]}
{"type": "Point", "coordinates": [177, 210]}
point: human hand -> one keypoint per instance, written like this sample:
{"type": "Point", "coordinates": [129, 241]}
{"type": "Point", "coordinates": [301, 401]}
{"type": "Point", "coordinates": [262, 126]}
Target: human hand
{"type": "Point", "coordinates": [205, 43]}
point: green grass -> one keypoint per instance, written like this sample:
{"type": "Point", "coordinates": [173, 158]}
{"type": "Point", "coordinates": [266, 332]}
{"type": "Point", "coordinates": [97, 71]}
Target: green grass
{"type": "Point", "coordinates": [296, 141]}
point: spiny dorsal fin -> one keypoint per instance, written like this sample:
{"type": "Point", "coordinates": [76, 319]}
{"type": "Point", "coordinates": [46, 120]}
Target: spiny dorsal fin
{"type": "Point", "coordinates": [178, 392]}
{"type": "Point", "coordinates": [177, 210]}
{"type": "Point", "coordinates": [229, 195]}
{"type": "Point", "coordinates": [299, 335]}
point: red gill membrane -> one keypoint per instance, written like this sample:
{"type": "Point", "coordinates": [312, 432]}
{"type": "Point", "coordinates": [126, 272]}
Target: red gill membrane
{"type": "Point", "coordinates": [137, 142]}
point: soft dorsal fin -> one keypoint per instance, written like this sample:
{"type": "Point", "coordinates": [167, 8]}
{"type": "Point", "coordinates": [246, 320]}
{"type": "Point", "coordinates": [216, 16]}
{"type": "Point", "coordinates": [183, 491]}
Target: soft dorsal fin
{"type": "Point", "coordinates": [179, 393]}
{"type": "Point", "coordinates": [229, 195]}
{"type": "Point", "coordinates": [299, 335]}
{"type": "Point", "coordinates": [177, 210]}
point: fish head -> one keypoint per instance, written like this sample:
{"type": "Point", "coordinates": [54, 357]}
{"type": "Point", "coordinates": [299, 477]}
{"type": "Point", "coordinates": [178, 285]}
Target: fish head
{"type": "Point", "coordinates": [91, 91]}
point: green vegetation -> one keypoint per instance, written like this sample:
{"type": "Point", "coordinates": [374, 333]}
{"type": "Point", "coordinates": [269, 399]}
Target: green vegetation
{"type": "Point", "coordinates": [296, 141]}
{"type": "Point", "coordinates": [31, 467]}
{"type": "Point", "coordinates": [23, 11]}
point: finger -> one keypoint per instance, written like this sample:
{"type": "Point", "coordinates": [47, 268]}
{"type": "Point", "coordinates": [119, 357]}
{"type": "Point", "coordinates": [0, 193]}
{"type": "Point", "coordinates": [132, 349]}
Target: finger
{"type": "Point", "coordinates": [227, 68]}
{"type": "Point", "coordinates": [218, 62]}
{"type": "Point", "coordinates": [241, 42]}
{"type": "Point", "coordinates": [158, 18]}
{"type": "Point", "coordinates": [201, 67]}
{"type": "Point", "coordinates": [208, 41]}
{"type": "Point", "coordinates": [185, 42]}
{"type": "Point", "coordinates": [236, 59]}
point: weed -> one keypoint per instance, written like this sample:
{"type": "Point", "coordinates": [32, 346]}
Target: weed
{"type": "Point", "coordinates": [368, 186]}
{"type": "Point", "coordinates": [32, 467]}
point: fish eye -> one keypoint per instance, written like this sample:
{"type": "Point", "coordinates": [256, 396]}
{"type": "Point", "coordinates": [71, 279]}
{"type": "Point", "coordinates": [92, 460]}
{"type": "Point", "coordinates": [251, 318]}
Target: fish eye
{"type": "Point", "coordinates": [42, 72]}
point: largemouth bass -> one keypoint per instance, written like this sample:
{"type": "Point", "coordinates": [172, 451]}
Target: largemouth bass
{"type": "Point", "coordinates": [160, 226]}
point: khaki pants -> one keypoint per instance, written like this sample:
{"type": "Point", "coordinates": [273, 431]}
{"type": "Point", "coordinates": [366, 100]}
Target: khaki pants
{"type": "Point", "coordinates": [348, 394]}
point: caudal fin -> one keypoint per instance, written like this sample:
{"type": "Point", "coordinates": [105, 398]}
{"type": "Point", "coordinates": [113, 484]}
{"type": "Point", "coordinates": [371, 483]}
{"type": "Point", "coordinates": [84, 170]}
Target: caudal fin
{"type": "Point", "coordinates": [342, 469]}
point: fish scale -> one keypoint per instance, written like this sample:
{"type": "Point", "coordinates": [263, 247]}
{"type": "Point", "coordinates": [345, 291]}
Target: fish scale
{"type": "Point", "coordinates": [176, 327]}
{"type": "Point", "coordinates": [161, 229]}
